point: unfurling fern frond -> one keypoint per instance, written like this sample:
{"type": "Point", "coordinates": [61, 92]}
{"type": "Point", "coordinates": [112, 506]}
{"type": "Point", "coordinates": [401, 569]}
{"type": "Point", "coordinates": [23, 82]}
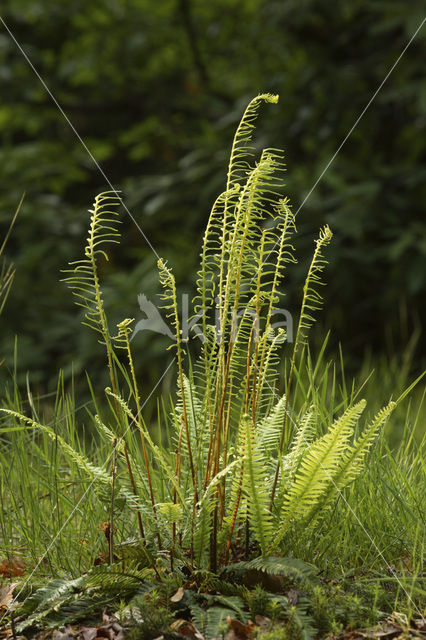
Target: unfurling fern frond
{"type": "Point", "coordinates": [240, 146]}
{"type": "Point", "coordinates": [311, 296]}
{"type": "Point", "coordinates": [83, 278]}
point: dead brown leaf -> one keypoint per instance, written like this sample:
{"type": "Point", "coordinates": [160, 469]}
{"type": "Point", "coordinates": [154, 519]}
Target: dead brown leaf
{"type": "Point", "coordinates": [240, 631]}
{"type": "Point", "coordinates": [187, 629]}
{"type": "Point", "coordinates": [6, 595]}
{"type": "Point", "coordinates": [12, 567]}
{"type": "Point", "coordinates": [68, 634]}
{"type": "Point", "coordinates": [109, 628]}
{"type": "Point", "coordinates": [87, 633]}
{"type": "Point", "coordinates": [105, 632]}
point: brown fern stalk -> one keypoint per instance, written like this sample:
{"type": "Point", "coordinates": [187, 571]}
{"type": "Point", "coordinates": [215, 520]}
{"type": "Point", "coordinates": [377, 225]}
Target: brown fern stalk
{"type": "Point", "coordinates": [124, 334]}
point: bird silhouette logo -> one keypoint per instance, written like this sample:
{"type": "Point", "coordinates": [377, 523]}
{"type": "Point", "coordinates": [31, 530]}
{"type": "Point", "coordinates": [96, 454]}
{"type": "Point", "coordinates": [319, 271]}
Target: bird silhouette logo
{"type": "Point", "coordinates": [153, 321]}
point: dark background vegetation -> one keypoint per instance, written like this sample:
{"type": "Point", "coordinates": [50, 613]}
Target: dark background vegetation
{"type": "Point", "coordinates": [155, 89]}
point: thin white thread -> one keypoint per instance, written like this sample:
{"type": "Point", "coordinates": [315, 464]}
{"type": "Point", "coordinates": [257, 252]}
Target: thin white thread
{"type": "Point", "coordinates": [152, 248]}
{"type": "Point", "coordinates": [357, 121]}
{"type": "Point", "coordinates": [95, 162]}
{"type": "Point", "coordinates": [352, 511]}
{"type": "Point", "coordinates": [330, 162]}
{"type": "Point", "coordinates": [84, 494]}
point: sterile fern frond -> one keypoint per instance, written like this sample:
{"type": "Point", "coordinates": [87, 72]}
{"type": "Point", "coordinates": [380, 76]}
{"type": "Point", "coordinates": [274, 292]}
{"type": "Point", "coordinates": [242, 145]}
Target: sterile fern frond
{"type": "Point", "coordinates": [317, 467]}
{"type": "Point", "coordinates": [321, 461]}
{"type": "Point", "coordinates": [93, 471]}
{"type": "Point", "coordinates": [288, 567]}
{"type": "Point", "coordinates": [353, 459]}
{"type": "Point", "coordinates": [305, 433]}
{"type": "Point", "coordinates": [351, 463]}
{"type": "Point", "coordinates": [71, 599]}
{"type": "Point", "coordinates": [271, 426]}
{"type": "Point", "coordinates": [256, 488]}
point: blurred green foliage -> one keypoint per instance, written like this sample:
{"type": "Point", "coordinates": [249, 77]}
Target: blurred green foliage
{"type": "Point", "coordinates": [155, 91]}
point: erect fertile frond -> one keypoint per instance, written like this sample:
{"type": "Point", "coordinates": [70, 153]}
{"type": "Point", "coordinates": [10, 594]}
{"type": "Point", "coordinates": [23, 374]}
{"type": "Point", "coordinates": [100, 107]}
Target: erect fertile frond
{"type": "Point", "coordinates": [83, 278]}
{"type": "Point", "coordinates": [312, 299]}
{"type": "Point", "coordinates": [242, 138]}
{"type": "Point", "coordinates": [169, 298]}
{"type": "Point", "coordinates": [121, 339]}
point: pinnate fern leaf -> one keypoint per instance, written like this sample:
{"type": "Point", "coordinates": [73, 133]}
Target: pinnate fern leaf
{"type": "Point", "coordinates": [256, 488]}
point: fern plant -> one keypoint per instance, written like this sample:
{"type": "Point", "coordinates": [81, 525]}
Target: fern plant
{"type": "Point", "coordinates": [243, 471]}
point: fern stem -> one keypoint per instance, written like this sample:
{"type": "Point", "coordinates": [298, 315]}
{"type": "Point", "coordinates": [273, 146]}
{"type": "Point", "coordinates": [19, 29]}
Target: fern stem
{"type": "Point", "coordinates": [125, 333]}
{"type": "Point", "coordinates": [91, 254]}
{"type": "Point", "coordinates": [237, 505]}
{"type": "Point", "coordinates": [111, 519]}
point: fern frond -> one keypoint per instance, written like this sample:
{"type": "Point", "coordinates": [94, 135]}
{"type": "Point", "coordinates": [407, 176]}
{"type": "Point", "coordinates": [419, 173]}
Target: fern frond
{"type": "Point", "coordinates": [270, 427]}
{"type": "Point", "coordinates": [256, 488]}
{"type": "Point", "coordinates": [352, 462]}
{"type": "Point", "coordinates": [303, 437]}
{"type": "Point", "coordinates": [169, 285]}
{"type": "Point", "coordinates": [242, 138]}
{"type": "Point", "coordinates": [83, 279]}
{"type": "Point", "coordinates": [72, 599]}
{"type": "Point", "coordinates": [211, 622]}
{"type": "Point", "coordinates": [289, 567]}
{"type": "Point", "coordinates": [317, 467]}
{"type": "Point", "coordinates": [311, 297]}
{"type": "Point", "coordinates": [97, 473]}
